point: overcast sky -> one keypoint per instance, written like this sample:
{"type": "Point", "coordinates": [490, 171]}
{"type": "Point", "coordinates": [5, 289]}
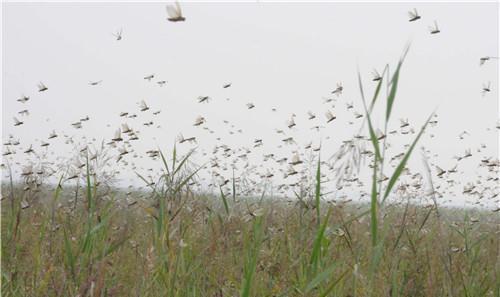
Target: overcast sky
{"type": "Point", "coordinates": [276, 55]}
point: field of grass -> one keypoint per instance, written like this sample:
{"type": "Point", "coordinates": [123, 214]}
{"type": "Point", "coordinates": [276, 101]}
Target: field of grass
{"type": "Point", "coordinates": [192, 245]}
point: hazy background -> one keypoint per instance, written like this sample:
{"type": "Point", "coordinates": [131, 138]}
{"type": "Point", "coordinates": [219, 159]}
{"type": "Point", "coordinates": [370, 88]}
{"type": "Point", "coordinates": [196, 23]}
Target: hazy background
{"type": "Point", "coordinates": [277, 55]}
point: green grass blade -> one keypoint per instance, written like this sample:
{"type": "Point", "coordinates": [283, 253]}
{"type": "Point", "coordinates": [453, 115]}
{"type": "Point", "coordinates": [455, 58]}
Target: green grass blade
{"type": "Point", "coordinates": [320, 277]}
{"type": "Point", "coordinates": [186, 180]}
{"type": "Point", "coordinates": [373, 207]}
{"type": "Point", "coordinates": [332, 286]}
{"type": "Point", "coordinates": [69, 254]}
{"type": "Point", "coordinates": [224, 200]}
{"type": "Point", "coordinates": [165, 164]}
{"type": "Point", "coordinates": [234, 188]}
{"type": "Point", "coordinates": [377, 91]}
{"type": "Point", "coordinates": [394, 86]}
{"type": "Point", "coordinates": [316, 251]}
{"type": "Point", "coordinates": [174, 157]}
{"type": "Point", "coordinates": [373, 136]}
{"type": "Point", "coordinates": [251, 264]}
{"type": "Point", "coordinates": [318, 190]}
{"type": "Point", "coordinates": [89, 192]}
{"type": "Point", "coordinates": [399, 169]}
{"type": "Point", "coordinates": [182, 162]}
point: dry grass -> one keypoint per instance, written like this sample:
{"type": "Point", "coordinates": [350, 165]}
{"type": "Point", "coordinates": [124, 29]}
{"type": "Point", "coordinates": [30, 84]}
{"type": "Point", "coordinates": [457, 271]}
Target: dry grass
{"type": "Point", "coordinates": [203, 251]}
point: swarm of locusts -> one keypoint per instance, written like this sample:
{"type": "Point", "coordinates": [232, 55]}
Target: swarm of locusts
{"type": "Point", "coordinates": [253, 219]}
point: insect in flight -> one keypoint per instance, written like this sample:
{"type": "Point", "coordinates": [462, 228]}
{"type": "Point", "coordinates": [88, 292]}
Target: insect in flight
{"type": "Point", "coordinates": [435, 29]}
{"type": "Point", "coordinates": [23, 99]}
{"type": "Point", "coordinates": [42, 87]}
{"type": "Point", "coordinates": [413, 14]}
{"type": "Point", "coordinates": [175, 13]}
{"type": "Point", "coordinates": [486, 88]}
{"type": "Point", "coordinates": [118, 35]}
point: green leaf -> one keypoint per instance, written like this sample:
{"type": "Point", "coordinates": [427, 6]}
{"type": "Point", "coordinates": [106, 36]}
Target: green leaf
{"type": "Point", "coordinates": [320, 277]}
{"type": "Point", "coordinates": [332, 286]}
{"type": "Point", "coordinates": [399, 169]}
{"type": "Point", "coordinates": [373, 136]}
{"type": "Point", "coordinates": [251, 264]}
{"type": "Point", "coordinates": [377, 90]}
{"type": "Point", "coordinates": [89, 192]}
{"type": "Point", "coordinates": [394, 86]}
{"type": "Point", "coordinates": [318, 190]}
{"type": "Point", "coordinates": [234, 188]}
{"type": "Point", "coordinates": [69, 254]}
{"type": "Point", "coordinates": [373, 207]}
{"type": "Point", "coordinates": [224, 200]}
{"type": "Point", "coordinates": [164, 163]}
{"type": "Point", "coordinates": [183, 161]}
{"type": "Point", "coordinates": [316, 252]}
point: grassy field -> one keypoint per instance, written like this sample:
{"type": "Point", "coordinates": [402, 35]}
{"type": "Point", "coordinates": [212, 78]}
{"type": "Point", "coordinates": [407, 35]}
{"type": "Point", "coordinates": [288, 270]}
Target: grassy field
{"type": "Point", "coordinates": [196, 245]}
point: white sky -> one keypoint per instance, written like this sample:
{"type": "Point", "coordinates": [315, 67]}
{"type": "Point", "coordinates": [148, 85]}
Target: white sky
{"type": "Point", "coordinates": [282, 55]}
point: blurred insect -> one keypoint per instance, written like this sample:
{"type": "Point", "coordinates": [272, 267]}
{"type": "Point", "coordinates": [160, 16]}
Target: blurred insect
{"type": "Point", "coordinates": [290, 171]}
{"type": "Point", "coordinates": [123, 151]}
{"type": "Point", "coordinates": [23, 99]}
{"type": "Point", "coordinates": [461, 135]}
{"type": "Point", "coordinates": [118, 135]}
{"type": "Point", "coordinates": [29, 150]}
{"type": "Point", "coordinates": [376, 75]}
{"type": "Point", "coordinates": [181, 139]}
{"type": "Point", "coordinates": [250, 105]}
{"type": "Point", "coordinates": [17, 122]}
{"type": "Point", "coordinates": [317, 128]}
{"type": "Point", "coordinates": [7, 152]}
{"type": "Point", "coordinates": [380, 134]}
{"type": "Point", "coordinates": [143, 106]}
{"type": "Point", "coordinates": [288, 140]}
{"type": "Point", "coordinates": [149, 77]}
{"type": "Point", "coordinates": [42, 87]}
{"type": "Point", "coordinates": [203, 99]}
{"type": "Point", "coordinates": [199, 121]}
{"type": "Point", "coordinates": [338, 90]}
{"type": "Point", "coordinates": [175, 13]}
{"type": "Point", "coordinates": [95, 83]}
{"type": "Point", "coordinates": [483, 60]}
{"type": "Point", "coordinates": [118, 35]}
{"type": "Point", "coordinates": [311, 115]}
{"type": "Point", "coordinates": [486, 88]}
{"type": "Point", "coordinates": [435, 29]}
{"type": "Point", "coordinates": [53, 134]}
{"type": "Point", "coordinates": [329, 116]}
{"type": "Point", "coordinates": [295, 160]}
{"type": "Point", "coordinates": [413, 14]}
{"type": "Point", "coordinates": [225, 86]}
{"type": "Point", "coordinates": [291, 122]}
{"type": "Point", "coordinates": [27, 170]}
{"type": "Point", "coordinates": [440, 171]}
